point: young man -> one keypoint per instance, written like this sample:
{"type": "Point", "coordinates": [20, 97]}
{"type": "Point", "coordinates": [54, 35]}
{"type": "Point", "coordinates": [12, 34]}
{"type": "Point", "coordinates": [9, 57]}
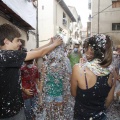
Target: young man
{"type": "Point", "coordinates": [11, 59]}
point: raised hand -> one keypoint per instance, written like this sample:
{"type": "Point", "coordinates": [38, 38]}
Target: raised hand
{"type": "Point", "coordinates": [57, 41]}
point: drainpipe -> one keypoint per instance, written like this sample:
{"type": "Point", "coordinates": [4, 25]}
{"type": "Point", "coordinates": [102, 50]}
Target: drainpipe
{"type": "Point", "coordinates": [37, 31]}
{"type": "Point", "coordinates": [98, 14]}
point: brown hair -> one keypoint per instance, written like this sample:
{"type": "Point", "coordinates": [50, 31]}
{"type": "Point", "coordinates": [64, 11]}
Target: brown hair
{"type": "Point", "coordinates": [8, 31]}
{"type": "Point", "coordinates": [102, 46]}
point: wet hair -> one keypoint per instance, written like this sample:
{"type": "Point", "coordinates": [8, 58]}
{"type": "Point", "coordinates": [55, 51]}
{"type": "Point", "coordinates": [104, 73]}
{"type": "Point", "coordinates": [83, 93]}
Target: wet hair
{"type": "Point", "coordinates": [8, 31]}
{"type": "Point", "coordinates": [102, 46]}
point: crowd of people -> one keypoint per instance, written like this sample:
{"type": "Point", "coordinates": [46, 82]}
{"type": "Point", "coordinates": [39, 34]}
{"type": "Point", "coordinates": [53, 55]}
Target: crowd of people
{"type": "Point", "coordinates": [82, 84]}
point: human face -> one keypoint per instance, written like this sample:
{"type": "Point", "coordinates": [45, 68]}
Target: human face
{"type": "Point", "coordinates": [14, 45]}
{"type": "Point", "coordinates": [89, 53]}
{"type": "Point", "coordinates": [76, 46]}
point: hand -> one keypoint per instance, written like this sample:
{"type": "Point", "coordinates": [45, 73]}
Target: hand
{"type": "Point", "coordinates": [28, 92]}
{"type": "Point", "coordinates": [57, 41]}
{"type": "Point", "coordinates": [51, 41]}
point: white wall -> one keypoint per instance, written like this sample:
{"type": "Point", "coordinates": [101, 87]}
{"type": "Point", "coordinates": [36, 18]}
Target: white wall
{"type": "Point", "coordinates": [106, 18]}
{"type": "Point", "coordinates": [45, 19]}
{"type": "Point", "coordinates": [31, 43]}
{"type": "Point", "coordinates": [50, 19]}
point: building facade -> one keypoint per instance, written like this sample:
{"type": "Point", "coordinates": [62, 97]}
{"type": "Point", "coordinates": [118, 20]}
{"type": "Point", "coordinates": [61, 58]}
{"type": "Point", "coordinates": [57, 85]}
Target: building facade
{"type": "Point", "coordinates": [53, 16]}
{"type": "Point", "coordinates": [106, 18]}
{"type": "Point", "coordinates": [89, 20]}
{"type": "Point", "coordinates": [12, 14]}
{"type": "Point", "coordinates": [75, 26]}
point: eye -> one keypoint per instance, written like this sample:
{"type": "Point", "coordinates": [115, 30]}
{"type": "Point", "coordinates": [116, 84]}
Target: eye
{"type": "Point", "coordinates": [18, 40]}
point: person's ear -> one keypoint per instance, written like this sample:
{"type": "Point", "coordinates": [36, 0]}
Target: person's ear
{"type": "Point", "coordinates": [6, 41]}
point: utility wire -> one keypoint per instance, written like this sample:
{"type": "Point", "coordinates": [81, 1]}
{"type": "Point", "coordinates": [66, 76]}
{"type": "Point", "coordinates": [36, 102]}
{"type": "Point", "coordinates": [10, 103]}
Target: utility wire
{"type": "Point", "coordinates": [113, 11]}
{"type": "Point", "coordinates": [102, 10]}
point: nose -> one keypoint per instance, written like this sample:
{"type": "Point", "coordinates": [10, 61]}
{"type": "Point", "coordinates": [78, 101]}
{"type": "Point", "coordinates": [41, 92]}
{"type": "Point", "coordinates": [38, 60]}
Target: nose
{"type": "Point", "coordinates": [20, 43]}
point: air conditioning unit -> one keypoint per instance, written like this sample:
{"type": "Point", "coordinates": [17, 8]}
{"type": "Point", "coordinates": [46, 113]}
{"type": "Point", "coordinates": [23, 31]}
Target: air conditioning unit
{"type": "Point", "coordinates": [64, 21]}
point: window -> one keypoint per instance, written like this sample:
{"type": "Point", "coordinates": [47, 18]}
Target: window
{"type": "Point", "coordinates": [60, 29]}
{"type": "Point", "coordinates": [115, 4]}
{"type": "Point", "coordinates": [64, 19]}
{"type": "Point", "coordinates": [64, 16]}
{"type": "Point", "coordinates": [115, 26]}
{"type": "Point", "coordinates": [42, 7]}
{"type": "Point", "coordinates": [89, 6]}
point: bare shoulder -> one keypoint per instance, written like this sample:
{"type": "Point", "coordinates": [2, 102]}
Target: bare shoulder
{"type": "Point", "coordinates": [76, 66]}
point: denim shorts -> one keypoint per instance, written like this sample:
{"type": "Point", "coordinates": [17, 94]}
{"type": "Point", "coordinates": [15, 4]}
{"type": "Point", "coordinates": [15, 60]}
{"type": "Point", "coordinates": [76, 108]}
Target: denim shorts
{"type": "Point", "coordinates": [19, 116]}
{"type": "Point", "coordinates": [55, 99]}
{"type": "Point", "coordinates": [29, 106]}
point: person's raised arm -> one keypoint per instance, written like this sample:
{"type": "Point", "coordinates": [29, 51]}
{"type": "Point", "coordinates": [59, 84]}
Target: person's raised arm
{"type": "Point", "coordinates": [44, 50]}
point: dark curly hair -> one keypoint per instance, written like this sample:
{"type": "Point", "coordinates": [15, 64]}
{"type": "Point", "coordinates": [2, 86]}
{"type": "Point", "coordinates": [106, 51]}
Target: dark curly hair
{"type": "Point", "coordinates": [102, 46]}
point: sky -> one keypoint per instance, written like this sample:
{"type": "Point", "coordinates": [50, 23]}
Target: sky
{"type": "Point", "coordinates": [82, 9]}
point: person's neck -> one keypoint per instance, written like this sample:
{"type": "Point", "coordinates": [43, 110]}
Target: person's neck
{"type": "Point", "coordinates": [3, 48]}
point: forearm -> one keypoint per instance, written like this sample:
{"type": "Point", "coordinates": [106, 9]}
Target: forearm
{"type": "Point", "coordinates": [108, 102]}
{"type": "Point", "coordinates": [40, 53]}
{"type": "Point", "coordinates": [47, 49]}
{"type": "Point", "coordinates": [110, 97]}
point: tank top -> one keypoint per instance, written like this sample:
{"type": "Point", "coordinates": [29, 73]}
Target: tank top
{"type": "Point", "coordinates": [90, 103]}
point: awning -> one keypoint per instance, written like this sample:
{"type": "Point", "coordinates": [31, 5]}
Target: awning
{"type": "Point", "coordinates": [13, 14]}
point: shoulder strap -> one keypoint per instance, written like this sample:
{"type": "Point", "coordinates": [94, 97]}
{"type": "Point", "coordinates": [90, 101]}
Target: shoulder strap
{"type": "Point", "coordinates": [86, 79]}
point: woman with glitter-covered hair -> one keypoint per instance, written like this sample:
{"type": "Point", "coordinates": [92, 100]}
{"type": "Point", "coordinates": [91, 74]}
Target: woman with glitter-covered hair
{"type": "Point", "coordinates": [92, 83]}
